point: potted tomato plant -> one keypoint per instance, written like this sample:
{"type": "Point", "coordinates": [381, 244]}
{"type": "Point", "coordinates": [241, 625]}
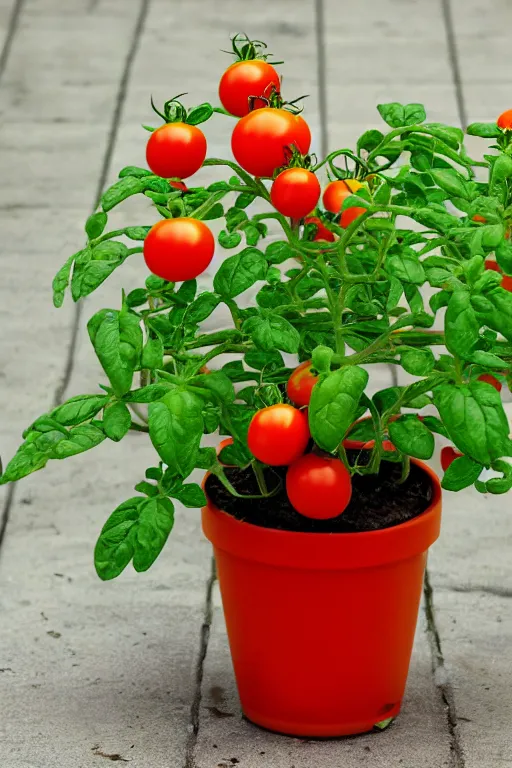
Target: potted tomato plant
{"type": "Point", "coordinates": [318, 502]}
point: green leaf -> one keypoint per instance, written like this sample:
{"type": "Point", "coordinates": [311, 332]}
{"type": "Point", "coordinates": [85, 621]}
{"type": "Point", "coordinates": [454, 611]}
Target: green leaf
{"type": "Point", "coordinates": [236, 454]}
{"type": "Point", "coordinates": [451, 181]}
{"type": "Point", "coordinates": [116, 421]}
{"type": "Point", "coordinates": [504, 256]}
{"type": "Point", "coordinates": [200, 114]}
{"type": "Point", "coordinates": [447, 133]}
{"type": "Point", "coordinates": [138, 530]}
{"type": "Point", "coordinates": [88, 275]}
{"type": "Point", "coordinates": [61, 282]}
{"type": "Point", "coordinates": [95, 224]}
{"type": "Point", "coordinates": [121, 190]}
{"type": "Point", "coordinates": [187, 291]}
{"type": "Point", "coordinates": [412, 437]}
{"type": "Point", "coordinates": [497, 313]}
{"type": "Point", "coordinates": [244, 199]}
{"type": "Point", "coordinates": [216, 382]}
{"type": "Point", "coordinates": [369, 140]}
{"type": "Point", "coordinates": [258, 359]}
{"type": "Point", "coordinates": [206, 458]}
{"type": "Point", "coordinates": [153, 354]}
{"type": "Point", "coordinates": [461, 325]}
{"type": "Point", "coordinates": [190, 495]}
{"type": "Point", "coordinates": [136, 298]}
{"type": "Point", "coordinates": [79, 439]}
{"type": "Point", "coordinates": [414, 114]}
{"type": "Point", "coordinates": [137, 233]}
{"type": "Point", "coordinates": [176, 428]}
{"type": "Point", "coordinates": [461, 473]}
{"type": "Point", "coordinates": [476, 422]}
{"type": "Point", "coordinates": [435, 425]}
{"type": "Point", "coordinates": [133, 170]}
{"type": "Point", "coordinates": [235, 217]}
{"type": "Point", "coordinates": [239, 272]}
{"type": "Point", "coordinates": [277, 253]}
{"type": "Point", "coordinates": [149, 394]}
{"type": "Point", "coordinates": [418, 362]}
{"type": "Point", "coordinates": [202, 308]}
{"type": "Point", "coordinates": [273, 332]}
{"type": "Point", "coordinates": [78, 409]}
{"type": "Point", "coordinates": [501, 170]}
{"type": "Point", "coordinates": [406, 267]}
{"type": "Point", "coordinates": [393, 114]}
{"type": "Point", "coordinates": [484, 130]}
{"type": "Point", "coordinates": [229, 239]}
{"type": "Point", "coordinates": [117, 340]}
{"type": "Point", "coordinates": [333, 405]}
{"type": "Point", "coordinates": [148, 489]}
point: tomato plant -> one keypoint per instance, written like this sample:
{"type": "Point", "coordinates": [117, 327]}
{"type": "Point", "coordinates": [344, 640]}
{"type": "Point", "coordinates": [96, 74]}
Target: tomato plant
{"type": "Point", "coordinates": [405, 262]}
{"type": "Point", "coordinates": [295, 192]}
{"type": "Point", "coordinates": [178, 249]}
{"type": "Point", "coordinates": [318, 487]}
{"type": "Point", "coordinates": [262, 139]}
{"type": "Point", "coordinates": [278, 434]}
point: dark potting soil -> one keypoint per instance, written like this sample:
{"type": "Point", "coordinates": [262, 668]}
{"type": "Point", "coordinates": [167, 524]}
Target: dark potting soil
{"type": "Point", "coordinates": [378, 501]}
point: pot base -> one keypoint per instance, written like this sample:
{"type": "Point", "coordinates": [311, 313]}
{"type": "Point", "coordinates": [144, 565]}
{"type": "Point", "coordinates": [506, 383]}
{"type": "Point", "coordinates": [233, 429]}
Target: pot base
{"type": "Point", "coordinates": [317, 730]}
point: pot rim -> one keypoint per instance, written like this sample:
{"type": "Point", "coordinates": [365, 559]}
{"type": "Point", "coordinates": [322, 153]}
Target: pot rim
{"type": "Point", "coordinates": [325, 551]}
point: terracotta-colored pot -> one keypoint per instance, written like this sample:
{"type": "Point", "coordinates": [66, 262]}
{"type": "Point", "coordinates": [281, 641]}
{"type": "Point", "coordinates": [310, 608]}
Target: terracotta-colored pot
{"type": "Point", "coordinates": [321, 625]}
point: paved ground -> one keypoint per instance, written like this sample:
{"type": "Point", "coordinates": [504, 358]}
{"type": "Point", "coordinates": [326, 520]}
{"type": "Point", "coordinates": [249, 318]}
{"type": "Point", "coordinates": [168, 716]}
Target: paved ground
{"type": "Point", "coordinates": [138, 669]}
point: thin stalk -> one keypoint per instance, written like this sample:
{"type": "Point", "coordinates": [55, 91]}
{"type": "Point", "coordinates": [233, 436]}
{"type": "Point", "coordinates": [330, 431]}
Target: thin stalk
{"type": "Point", "coordinates": [260, 478]}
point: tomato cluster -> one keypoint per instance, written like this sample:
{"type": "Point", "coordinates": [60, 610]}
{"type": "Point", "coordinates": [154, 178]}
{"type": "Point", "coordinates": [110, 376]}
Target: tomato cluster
{"type": "Point", "coordinates": [317, 486]}
{"type": "Point", "coordinates": [269, 140]}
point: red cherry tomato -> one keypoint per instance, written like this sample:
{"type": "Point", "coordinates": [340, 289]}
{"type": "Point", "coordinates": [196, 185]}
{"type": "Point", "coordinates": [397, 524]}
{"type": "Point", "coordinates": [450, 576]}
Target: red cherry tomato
{"type": "Point", "coordinates": [176, 149]}
{"type": "Point", "coordinates": [278, 434]}
{"type": "Point", "coordinates": [318, 487]}
{"type": "Point", "coordinates": [322, 233]}
{"type": "Point", "coordinates": [506, 281]}
{"type": "Point", "coordinates": [295, 192]}
{"type": "Point", "coordinates": [246, 79]}
{"type": "Point", "coordinates": [178, 249]}
{"type": "Point", "coordinates": [260, 139]}
{"type": "Point", "coordinates": [336, 192]}
{"type": "Point", "coordinates": [448, 454]}
{"type": "Point", "coordinates": [490, 379]}
{"type": "Point", "coordinates": [301, 383]}
{"type": "Point", "coordinates": [479, 219]}
{"type": "Point", "coordinates": [349, 215]}
{"type": "Point", "coordinates": [504, 121]}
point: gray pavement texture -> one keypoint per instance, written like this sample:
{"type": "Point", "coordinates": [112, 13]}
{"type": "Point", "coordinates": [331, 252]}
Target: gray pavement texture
{"type": "Point", "coordinates": [138, 670]}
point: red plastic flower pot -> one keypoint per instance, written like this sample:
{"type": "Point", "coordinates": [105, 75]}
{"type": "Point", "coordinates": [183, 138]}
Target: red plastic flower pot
{"type": "Point", "coordinates": [321, 625]}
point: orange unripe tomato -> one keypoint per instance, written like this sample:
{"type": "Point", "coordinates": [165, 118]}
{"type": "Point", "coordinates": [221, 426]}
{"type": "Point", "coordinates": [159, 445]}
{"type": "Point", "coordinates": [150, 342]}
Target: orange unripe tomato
{"type": "Point", "coordinates": [318, 487]}
{"type": "Point", "coordinates": [278, 434]}
{"type": "Point", "coordinates": [336, 192]}
{"type": "Point", "coordinates": [300, 384]}
{"type": "Point", "coordinates": [504, 121]}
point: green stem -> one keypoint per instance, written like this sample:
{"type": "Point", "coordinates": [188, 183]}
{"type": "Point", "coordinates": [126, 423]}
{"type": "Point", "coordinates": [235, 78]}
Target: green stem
{"type": "Point", "coordinates": [138, 427]}
{"type": "Point", "coordinates": [406, 468]}
{"type": "Point", "coordinates": [260, 477]}
{"type": "Point", "coordinates": [222, 349]}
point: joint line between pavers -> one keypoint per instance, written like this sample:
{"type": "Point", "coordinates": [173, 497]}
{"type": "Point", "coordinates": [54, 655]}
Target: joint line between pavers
{"type": "Point", "coordinates": [111, 142]}
{"type": "Point", "coordinates": [12, 28]}
{"type": "Point", "coordinates": [440, 676]}
{"type": "Point", "coordinates": [453, 57]}
{"type": "Point", "coordinates": [195, 709]}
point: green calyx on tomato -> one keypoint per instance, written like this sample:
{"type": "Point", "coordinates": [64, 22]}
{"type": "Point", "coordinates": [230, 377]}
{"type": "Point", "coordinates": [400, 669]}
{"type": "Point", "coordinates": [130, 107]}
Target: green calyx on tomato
{"type": "Point", "coordinates": [278, 434]}
{"type": "Point", "coordinates": [318, 487]}
{"type": "Point", "coordinates": [246, 49]}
